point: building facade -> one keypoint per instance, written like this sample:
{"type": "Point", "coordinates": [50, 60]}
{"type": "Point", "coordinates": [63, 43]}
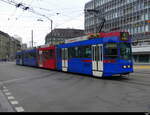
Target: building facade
{"type": "Point", "coordinates": [58, 36]}
{"type": "Point", "coordinates": [24, 46]}
{"type": "Point", "coordinates": [8, 46]}
{"type": "Point", "coordinates": [141, 54]}
{"type": "Point", "coordinates": [121, 15]}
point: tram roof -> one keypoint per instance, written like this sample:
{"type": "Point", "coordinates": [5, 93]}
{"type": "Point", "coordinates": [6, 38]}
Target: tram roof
{"type": "Point", "coordinates": [91, 42]}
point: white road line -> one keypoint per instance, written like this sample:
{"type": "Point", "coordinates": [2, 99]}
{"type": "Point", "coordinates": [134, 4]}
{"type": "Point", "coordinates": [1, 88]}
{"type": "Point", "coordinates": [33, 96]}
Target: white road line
{"type": "Point", "coordinates": [13, 80]}
{"type": "Point", "coordinates": [4, 87]}
{"type": "Point", "coordinates": [14, 102]}
{"type": "Point", "coordinates": [19, 109]}
{"type": "Point", "coordinates": [5, 90]}
{"type": "Point", "coordinates": [10, 97]}
{"type": "Point", "coordinates": [8, 94]}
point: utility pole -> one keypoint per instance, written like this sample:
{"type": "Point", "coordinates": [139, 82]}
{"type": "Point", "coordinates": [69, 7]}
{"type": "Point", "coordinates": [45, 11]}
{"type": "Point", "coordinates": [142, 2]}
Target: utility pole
{"type": "Point", "coordinates": [32, 38]}
{"type": "Point", "coordinates": [51, 25]}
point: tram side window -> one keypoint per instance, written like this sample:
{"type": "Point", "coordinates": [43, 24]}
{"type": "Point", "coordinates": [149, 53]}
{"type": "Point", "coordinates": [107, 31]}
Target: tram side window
{"type": "Point", "coordinates": [30, 55]}
{"type": "Point", "coordinates": [80, 52]}
{"type": "Point", "coordinates": [110, 50]}
{"type": "Point", "coordinates": [125, 51]}
{"type": "Point", "coordinates": [26, 55]}
{"type": "Point", "coordinates": [73, 52]}
{"type": "Point", "coordinates": [50, 54]}
{"type": "Point", "coordinates": [33, 55]}
{"type": "Point", "coordinates": [86, 50]}
{"type": "Point", "coordinates": [45, 54]}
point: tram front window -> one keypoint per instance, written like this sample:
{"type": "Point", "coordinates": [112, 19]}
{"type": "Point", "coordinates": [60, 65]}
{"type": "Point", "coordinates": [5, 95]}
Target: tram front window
{"type": "Point", "coordinates": [111, 50]}
{"type": "Point", "coordinates": [125, 51]}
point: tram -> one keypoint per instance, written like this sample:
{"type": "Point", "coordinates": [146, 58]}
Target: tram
{"type": "Point", "coordinates": [107, 54]}
{"type": "Point", "coordinates": [99, 55]}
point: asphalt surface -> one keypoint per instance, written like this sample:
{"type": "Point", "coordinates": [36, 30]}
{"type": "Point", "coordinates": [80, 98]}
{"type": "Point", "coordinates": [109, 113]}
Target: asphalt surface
{"type": "Point", "coordinates": [27, 89]}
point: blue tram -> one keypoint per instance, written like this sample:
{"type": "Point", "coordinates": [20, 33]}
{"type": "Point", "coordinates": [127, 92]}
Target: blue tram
{"type": "Point", "coordinates": [107, 55]}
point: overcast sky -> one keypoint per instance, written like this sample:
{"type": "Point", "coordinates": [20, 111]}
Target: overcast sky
{"type": "Point", "coordinates": [15, 21]}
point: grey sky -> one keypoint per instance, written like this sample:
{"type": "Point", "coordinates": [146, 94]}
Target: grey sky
{"type": "Point", "coordinates": [16, 21]}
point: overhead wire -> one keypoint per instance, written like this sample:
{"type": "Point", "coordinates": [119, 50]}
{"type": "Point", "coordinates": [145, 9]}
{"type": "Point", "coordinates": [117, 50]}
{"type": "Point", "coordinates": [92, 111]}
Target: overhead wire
{"type": "Point", "coordinates": [31, 9]}
{"type": "Point", "coordinates": [69, 20]}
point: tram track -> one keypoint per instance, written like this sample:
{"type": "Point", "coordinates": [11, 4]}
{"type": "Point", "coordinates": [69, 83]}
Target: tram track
{"type": "Point", "coordinates": [134, 81]}
{"type": "Point", "coordinates": [137, 83]}
{"type": "Point", "coordinates": [143, 73]}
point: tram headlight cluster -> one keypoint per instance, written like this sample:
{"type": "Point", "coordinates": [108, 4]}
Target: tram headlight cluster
{"type": "Point", "coordinates": [126, 66]}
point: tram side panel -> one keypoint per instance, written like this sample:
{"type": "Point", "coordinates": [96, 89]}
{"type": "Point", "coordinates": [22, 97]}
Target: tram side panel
{"type": "Point", "coordinates": [59, 57]}
{"type": "Point", "coordinates": [30, 58]}
{"type": "Point", "coordinates": [47, 57]}
{"type": "Point", "coordinates": [77, 58]}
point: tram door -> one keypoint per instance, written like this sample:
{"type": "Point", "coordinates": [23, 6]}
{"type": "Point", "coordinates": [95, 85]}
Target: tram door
{"type": "Point", "coordinates": [21, 59]}
{"type": "Point", "coordinates": [97, 60]}
{"type": "Point", "coordinates": [40, 59]}
{"type": "Point", "coordinates": [64, 59]}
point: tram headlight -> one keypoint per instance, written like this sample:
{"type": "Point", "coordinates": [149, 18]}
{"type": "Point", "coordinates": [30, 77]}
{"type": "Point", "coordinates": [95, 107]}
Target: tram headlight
{"type": "Point", "coordinates": [124, 66]}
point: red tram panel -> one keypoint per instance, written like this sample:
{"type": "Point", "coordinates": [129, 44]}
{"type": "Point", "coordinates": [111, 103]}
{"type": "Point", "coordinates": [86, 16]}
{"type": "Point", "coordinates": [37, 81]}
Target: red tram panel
{"type": "Point", "coordinates": [47, 57]}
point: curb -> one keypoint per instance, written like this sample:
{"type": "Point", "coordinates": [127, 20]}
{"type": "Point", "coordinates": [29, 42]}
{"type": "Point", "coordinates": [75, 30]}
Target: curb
{"type": "Point", "coordinates": [4, 104]}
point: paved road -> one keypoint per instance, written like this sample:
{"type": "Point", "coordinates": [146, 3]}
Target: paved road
{"type": "Point", "coordinates": [38, 90]}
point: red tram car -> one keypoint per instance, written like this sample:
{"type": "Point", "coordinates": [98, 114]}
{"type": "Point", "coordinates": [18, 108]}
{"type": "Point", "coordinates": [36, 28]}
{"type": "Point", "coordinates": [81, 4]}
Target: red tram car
{"type": "Point", "coordinates": [47, 57]}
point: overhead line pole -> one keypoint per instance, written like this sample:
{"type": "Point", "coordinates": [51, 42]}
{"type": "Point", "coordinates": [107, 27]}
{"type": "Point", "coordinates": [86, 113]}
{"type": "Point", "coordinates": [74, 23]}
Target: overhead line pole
{"type": "Point", "coordinates": [32, 38]}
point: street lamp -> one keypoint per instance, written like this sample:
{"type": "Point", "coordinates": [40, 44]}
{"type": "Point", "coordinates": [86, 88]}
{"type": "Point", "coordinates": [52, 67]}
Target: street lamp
{"type": "Point", "coordinates": [48, 19]}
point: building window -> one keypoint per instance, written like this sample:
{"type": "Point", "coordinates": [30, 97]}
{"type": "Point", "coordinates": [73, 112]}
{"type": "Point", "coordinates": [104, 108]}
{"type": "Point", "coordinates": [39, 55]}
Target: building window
{"type": "Point", "coordinates": [144, 58]}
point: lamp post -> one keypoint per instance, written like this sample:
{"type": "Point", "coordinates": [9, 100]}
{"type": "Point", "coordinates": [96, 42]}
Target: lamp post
{"type": "Point", "coordinates": [49, 20]}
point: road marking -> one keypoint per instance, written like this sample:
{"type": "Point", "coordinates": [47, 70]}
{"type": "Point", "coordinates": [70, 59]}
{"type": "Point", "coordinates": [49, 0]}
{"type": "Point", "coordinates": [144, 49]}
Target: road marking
{"type": "Point", "coordinates": [5, 90]}
{"type": "Point", "coordinates": [10, 97]}
{"type": "Point", "coordinates": [4, 87]}
{"type": "Point", "coordinates": [14, 80]}
{"type": "Point", "coordinates": [8, 94]}
{"type": "Point", "coordinates": [14, 102]}
{"type": "Point", "coordinates": [19, 109]}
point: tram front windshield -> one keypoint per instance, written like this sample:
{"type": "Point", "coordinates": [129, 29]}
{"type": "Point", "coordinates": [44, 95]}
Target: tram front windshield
{"type": "Point", "coordinates": [118, 51]}
{"type": "Point", "coordinates": [110, 51]}
{"type": "Point", "coordinates": [125, 51]}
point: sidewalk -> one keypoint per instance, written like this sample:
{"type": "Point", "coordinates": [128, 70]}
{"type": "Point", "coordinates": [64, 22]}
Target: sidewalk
{"type": "Point", "coordinates": [141, 66]}
{"type": "Point", "coordinates": [4, 104]}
